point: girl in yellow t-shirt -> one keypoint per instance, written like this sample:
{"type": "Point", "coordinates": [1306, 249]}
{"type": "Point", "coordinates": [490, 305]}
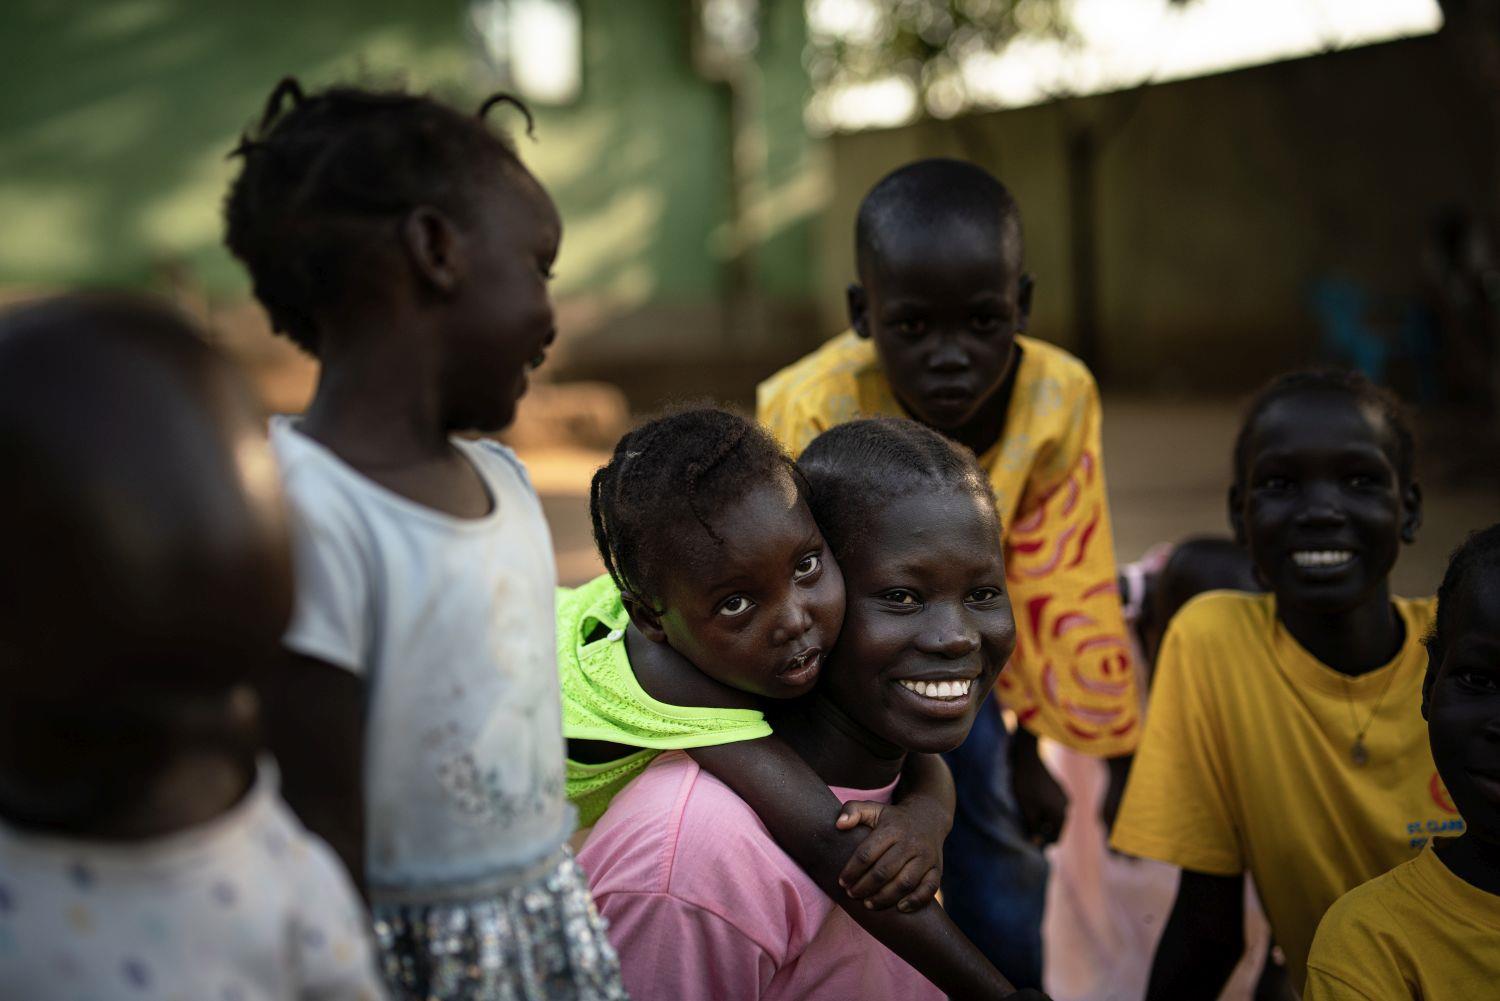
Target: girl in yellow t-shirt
{"type": "Point", "coordinates": [1283, 736]}
{"type": "Point", "coordinates": [1430, 928]}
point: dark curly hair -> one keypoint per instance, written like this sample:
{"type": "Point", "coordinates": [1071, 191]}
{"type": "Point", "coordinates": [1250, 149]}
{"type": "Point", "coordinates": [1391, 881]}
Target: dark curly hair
{"type": "Point", "coordinates": [325, 175]}
{"type": "Point", "coordinates": [1329, 380]}
{"type": "Point", "coordinates": [1480, 551]}
{"type": "Point", "coordinates": [918, 194]}
{"type": "Point", "coordinates": [680, 468]}
{"type": "Point", "coordinates": [852, 469]}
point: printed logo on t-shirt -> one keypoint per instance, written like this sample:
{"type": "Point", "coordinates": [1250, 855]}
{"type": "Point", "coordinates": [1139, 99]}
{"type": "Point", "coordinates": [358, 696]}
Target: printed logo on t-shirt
{"type": "Point", "coordinates": [1440, 794]}
{"type": "Point", "coordinates": [1419, 831]}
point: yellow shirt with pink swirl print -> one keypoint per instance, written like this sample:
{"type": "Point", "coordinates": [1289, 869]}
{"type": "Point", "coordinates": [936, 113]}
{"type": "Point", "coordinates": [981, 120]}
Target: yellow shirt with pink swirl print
{"type": "Point", "coordinates": [1072, 677]}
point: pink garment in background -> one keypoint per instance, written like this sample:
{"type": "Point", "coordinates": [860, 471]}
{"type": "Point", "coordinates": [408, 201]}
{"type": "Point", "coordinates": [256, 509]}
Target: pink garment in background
{"type": "Point", "coordinates": [701, 903]}
{"type": "Point", "coordinates": [1105, 911]}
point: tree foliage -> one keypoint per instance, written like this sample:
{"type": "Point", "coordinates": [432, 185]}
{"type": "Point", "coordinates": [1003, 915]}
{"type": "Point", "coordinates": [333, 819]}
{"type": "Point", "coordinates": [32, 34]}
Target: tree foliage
{"type": "Point", "coordinates": [922, 41]}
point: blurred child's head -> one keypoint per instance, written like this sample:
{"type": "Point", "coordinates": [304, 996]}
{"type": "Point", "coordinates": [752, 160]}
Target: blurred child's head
{"type": "Point", "coordinates": [1461, 695]}
{"type": "Point", "coordinates": [1198, 564]}
{"type": "Point", "coordinates": [941, 289]}
{"type": "Point", "coordinates": [147, 573]}
{"type": "Point", "coordinates": [701, 520]}
{"type": "Point", "coordinates": [1324, 492]}
{"type": "Point", "coordinates": [928, 625]}
{"type": "Point", "coordinates": [354, 205]}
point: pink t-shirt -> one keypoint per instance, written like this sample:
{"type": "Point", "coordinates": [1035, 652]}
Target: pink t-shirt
{"type": "Point", "coordinates": [701, 902]}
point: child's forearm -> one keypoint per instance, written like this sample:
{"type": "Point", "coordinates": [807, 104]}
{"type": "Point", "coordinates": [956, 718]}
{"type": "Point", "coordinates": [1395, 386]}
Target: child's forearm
{"type": "Point", "coordinates": [1203, 940]}
{"type": "Point", "coordinates": [926, 780]}
{"type": "Point", "coordinates": [313, 720]}
{"type": "Point", "coordinates": [799, 810]}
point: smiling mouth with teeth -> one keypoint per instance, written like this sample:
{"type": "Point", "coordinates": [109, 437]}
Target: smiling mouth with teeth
{"type": "Point", "coordinates": [956, 689]}
{"type": "Point", "coordinates": [1322, 557]}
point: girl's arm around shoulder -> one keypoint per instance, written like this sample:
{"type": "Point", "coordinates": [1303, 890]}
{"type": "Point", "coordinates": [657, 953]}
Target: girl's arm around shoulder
{"type": "Point", "coordinates": [800, 812]}
{"type": "Point", "coordinates": [901, 861]}
{"type": "Point", "coordinates": [667, 676]}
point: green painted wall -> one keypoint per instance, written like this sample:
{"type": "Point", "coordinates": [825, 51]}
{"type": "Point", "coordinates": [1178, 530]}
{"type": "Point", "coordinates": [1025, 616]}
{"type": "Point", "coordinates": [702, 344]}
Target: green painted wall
{"type": "Point", "coordinates": [115, 118]}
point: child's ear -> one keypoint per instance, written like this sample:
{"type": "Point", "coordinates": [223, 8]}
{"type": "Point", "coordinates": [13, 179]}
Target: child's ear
{"type": "Point", "coordinates": [1023, 300]}
{"type": "Point", "coordinates": [1237, 516]}
{"type": "Point", "coordinates": [435, 247]}
{"type": "Point", "coordinates": [858, 302]}
{"type": "Point", "coordinates": [646, 618]}
{"type": "Point", "coordinates": [1411, 516]}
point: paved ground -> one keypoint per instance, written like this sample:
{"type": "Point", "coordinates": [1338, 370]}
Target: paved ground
{"type": "Point", "coordinates": [1168, 468]}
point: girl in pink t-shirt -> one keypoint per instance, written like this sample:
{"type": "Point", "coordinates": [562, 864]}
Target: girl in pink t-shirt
{"type": "Point", "coordinates": [701, 901]}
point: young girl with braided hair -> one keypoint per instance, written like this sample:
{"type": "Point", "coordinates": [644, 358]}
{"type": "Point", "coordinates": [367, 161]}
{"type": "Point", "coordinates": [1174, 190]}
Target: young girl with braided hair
{"type": "Point", "coordinates": [404, 244]}
{"type": "Point", "coordinates": [722, 601]}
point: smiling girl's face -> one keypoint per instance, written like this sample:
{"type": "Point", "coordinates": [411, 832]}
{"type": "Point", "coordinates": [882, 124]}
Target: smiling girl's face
{"type": "Point", "coordinates": [928, 624]}
{"type": "Point", "coordinates": [1322, 507]}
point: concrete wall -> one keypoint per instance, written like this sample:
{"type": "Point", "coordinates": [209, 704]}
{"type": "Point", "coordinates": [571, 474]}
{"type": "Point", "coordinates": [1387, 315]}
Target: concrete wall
{"type": "Point", "coordinates": [1219, 200]}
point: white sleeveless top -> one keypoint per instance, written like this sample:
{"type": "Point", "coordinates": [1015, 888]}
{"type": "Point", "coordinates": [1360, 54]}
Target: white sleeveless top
{"type": "Point", "coordinates": [451, 624]}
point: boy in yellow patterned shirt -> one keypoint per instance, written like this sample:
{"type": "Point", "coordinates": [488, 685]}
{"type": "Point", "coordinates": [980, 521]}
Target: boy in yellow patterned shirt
{"type": "Point", "coordinates": [936, 318]}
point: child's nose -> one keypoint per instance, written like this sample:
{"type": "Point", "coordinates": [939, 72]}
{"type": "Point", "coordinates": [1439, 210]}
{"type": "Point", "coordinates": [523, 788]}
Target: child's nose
{"type": "Point", "coordinates": [956, 645]}
{"type": "Point", "coordinates": [795, 624]}
{"type": "Point", "coordinates": [949, 636]}
{"type": "Point", "coordinates": [948, 355]}
{"type": "Point", "coordinates": [1322, 506]}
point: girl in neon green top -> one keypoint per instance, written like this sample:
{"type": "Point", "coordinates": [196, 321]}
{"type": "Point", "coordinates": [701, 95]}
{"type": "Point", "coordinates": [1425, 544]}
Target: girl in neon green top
{"type": "Point", "coordinates": [722, 595]}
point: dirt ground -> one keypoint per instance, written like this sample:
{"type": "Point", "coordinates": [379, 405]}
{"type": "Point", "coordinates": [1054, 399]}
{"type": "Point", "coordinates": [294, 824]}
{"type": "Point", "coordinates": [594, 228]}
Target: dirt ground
{"type": "Point", "coordinates": [1168, 468]}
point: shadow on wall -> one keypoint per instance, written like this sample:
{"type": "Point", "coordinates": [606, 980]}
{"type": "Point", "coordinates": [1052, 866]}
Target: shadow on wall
{"type": "Point", "coordinates": [117, 118]}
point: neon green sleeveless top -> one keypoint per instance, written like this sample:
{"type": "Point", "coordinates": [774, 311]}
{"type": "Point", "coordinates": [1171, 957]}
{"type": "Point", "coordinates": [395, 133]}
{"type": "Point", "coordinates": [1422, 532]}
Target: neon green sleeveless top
{"type": "Point", "coordinates": [602, 700]}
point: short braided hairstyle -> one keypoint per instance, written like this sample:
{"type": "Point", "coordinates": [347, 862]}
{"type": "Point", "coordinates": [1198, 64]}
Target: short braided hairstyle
{"type": "Point", "coordinates": [680, 468]}
{"type": "Point", "coordinates": [854, 468]}
{"type": "Point", "coordinates": [1310, 382]}
{"type": "Point", "coordinates": [324, 175]}
{"type": "Point", "coordinates": [1480, 551]}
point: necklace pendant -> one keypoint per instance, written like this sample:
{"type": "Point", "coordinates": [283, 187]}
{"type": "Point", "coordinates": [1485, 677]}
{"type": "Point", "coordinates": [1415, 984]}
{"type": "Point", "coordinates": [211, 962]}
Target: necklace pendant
{"type": "Point", "coordinates": [1360, 756]}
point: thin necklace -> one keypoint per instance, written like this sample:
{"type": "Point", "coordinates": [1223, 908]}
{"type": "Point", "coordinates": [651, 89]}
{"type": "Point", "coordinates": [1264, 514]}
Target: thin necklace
{"type": "Point", "coordinates": [1358, 752]}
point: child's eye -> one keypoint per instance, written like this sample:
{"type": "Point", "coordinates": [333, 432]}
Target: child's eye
{"type": "Point", "coordinates": [809, 565]}
{"type": "Point", "coordinates": [1479, 681]}
{"type": "Point", "coordinates": [1366, 481]}
{"type": "Point", "coordinates": [910, 327]}
{"type": "Point", "coordinates": [987, 323]}
{"type": "Point", "coordinates": [980, 595]}
{"type": "Point", "coordinates": [736, 605]}
{"type": "Point", "coordinates": [900, 596]}
{"type": "Point", "coordinates": [1274, 483]}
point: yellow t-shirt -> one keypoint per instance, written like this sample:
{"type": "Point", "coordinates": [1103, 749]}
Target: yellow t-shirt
{"type": "Point", "coordinates": [1417, 932]}
{"type": "Point", "coordinates": [1072, 678]}
{"type": "Point", "coordinates": [1245, 763]}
